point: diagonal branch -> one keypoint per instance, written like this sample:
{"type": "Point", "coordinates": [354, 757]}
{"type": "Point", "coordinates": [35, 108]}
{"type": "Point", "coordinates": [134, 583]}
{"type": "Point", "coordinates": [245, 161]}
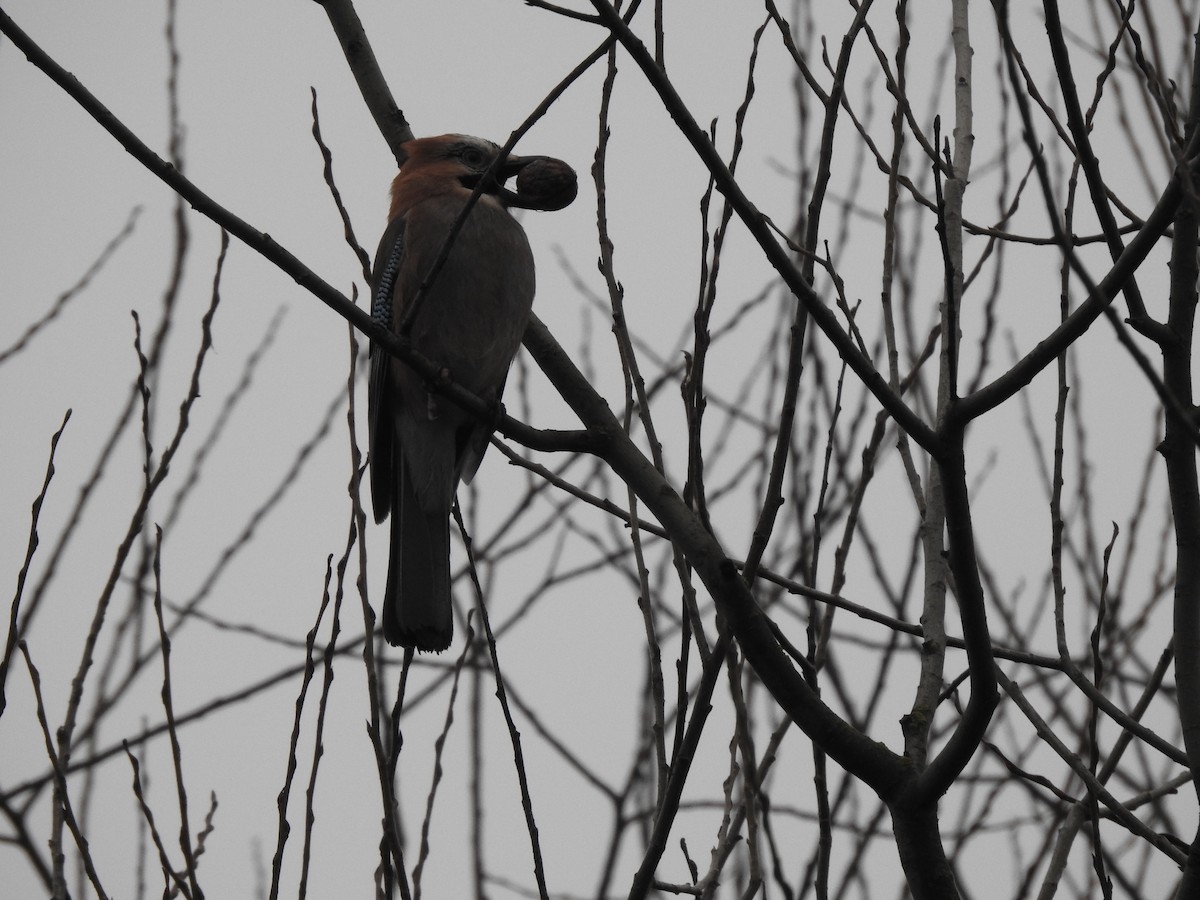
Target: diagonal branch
{"type": "Point", "coordinates": [361, 59]}
{"type": "Point", "coordinates": [282, 258]}
{"type": "Point", "coordinates": [760, 229]}
{"type": "Point", "coordinates": [867, 759]}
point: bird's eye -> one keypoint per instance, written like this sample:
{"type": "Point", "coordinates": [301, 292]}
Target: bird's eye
{"type": "Point", "coordinates": [473, 157]}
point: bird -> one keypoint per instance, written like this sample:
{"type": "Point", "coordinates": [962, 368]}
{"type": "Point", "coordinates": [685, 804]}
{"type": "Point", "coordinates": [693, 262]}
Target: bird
{"type": "Point", "coordinates": [468, 319]}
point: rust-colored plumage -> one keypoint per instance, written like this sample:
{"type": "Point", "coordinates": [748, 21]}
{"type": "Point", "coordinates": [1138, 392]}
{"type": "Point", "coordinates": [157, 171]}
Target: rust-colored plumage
{"type": "Point", "coordinates": [469, 321]}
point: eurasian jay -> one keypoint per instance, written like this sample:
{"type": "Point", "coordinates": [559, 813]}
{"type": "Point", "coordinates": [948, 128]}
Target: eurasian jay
{"type": "Point", "coordinates": [468, 320]}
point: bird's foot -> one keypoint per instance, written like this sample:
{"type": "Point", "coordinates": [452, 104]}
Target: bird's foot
{"type": "Point", "coordinates": [496, 413]}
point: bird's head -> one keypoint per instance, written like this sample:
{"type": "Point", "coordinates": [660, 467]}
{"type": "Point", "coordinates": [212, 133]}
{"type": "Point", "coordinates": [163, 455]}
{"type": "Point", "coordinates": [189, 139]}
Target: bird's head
{"type": "Point", "coordinates": [460, 160]}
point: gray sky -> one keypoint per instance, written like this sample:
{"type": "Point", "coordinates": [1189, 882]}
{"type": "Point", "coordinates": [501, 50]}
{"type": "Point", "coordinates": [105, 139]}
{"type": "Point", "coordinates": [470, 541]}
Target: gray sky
{"type": "Point", "coordinates": [66, 188]}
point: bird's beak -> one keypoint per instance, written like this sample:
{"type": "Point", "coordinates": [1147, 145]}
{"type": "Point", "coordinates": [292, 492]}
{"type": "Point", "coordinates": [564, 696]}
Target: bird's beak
{"type": "Point", "coordinates": [552, 185]}
{"type": "Point", "coordinates": [510, 167]}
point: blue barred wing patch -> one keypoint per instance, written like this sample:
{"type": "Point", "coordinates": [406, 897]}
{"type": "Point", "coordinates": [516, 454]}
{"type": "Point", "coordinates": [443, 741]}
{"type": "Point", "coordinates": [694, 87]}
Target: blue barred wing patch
{"type": "Point", "coordinates": [381, 302]}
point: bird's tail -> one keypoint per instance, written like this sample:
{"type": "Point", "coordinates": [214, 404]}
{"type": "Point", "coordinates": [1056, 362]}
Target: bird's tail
{"type": "Point", "coordinates": [417, 611]}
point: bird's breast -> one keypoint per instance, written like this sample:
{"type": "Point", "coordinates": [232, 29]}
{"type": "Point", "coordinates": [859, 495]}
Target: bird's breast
{"type": "Point", "coordinates": [476, 307]}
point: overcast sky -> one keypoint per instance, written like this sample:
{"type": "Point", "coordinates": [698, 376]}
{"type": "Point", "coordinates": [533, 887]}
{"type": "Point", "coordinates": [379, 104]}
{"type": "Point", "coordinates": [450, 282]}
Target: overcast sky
{"type": "Point", "coordinates": [479, 67]}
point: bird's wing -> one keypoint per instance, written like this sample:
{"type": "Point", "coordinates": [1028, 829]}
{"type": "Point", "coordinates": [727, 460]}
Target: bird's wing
{"type": "Point", "coordinates": [476, 439]}
{"type": "Point", "coordinates": [381, 399]}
